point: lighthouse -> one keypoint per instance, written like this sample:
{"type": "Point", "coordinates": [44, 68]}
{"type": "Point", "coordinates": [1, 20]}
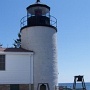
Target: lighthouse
{"type": "Point", "coordinates": [39, 34]}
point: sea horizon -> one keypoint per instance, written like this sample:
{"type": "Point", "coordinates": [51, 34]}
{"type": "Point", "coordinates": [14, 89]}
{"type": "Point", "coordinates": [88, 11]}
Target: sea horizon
{"type": "Point", "coordinates": [78, 85]}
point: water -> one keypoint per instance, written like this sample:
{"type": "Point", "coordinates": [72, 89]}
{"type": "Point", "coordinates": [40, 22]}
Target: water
{"type": "Point", "coordinates": [78, 85]}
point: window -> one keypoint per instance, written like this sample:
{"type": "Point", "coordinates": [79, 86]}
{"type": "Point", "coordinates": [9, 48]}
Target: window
{"type": "Point", "coordinates": [2, 62]}
{"type": "Point", "coordinates": [14, 87]}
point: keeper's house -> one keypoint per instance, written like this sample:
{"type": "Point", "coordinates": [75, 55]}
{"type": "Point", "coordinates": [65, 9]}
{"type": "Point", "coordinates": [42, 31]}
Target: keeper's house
{"type": "Point", "coordinates": [16, 69]}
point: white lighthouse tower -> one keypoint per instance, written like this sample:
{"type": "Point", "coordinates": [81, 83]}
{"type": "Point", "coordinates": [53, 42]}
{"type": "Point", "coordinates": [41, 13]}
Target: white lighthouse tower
{"type": "Point", "coordinates": [38, 33]}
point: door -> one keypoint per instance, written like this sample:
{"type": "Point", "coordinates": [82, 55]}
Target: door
{"type": "Point", "coordinates": [43, 87]}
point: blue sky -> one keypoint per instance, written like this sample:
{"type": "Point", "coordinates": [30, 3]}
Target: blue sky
{"type": "Point", "coordinates": [73, 32]}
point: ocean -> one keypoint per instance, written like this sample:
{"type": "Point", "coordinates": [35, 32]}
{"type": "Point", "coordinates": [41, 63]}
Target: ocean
{"type": "Point", "coordinates": [78, 85]}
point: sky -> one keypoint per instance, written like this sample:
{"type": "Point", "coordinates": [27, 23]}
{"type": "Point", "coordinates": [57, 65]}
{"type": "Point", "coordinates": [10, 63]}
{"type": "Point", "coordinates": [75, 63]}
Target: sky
{"type": "Point", "coordinates": [73, 32]}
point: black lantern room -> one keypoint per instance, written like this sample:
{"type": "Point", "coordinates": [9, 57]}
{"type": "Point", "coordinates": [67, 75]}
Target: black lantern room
{"type": "Point", "coordinates": [38, 15]}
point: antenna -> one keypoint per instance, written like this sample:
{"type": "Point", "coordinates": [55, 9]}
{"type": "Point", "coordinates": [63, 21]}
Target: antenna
{"type": "Point", "coordinates": [38, 0]}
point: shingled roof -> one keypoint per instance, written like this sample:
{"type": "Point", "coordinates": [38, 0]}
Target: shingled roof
{"type": "Point", "coordinates": [14, 50]}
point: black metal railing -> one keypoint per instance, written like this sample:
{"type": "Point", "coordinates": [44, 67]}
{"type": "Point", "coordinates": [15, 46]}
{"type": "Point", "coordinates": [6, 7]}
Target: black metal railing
{"type": "Point", "coordinates": [24, 20]}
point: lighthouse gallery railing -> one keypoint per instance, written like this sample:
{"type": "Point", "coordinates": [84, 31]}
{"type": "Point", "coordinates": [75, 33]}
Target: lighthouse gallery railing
{"type": "Point", "coordinates": [53, 20]}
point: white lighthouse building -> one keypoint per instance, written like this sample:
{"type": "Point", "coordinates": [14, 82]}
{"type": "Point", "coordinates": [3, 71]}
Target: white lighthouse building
{"type": "Point", "coordinates": [40, 36]}
{"type": "Point", "coordinates": [34, 65]}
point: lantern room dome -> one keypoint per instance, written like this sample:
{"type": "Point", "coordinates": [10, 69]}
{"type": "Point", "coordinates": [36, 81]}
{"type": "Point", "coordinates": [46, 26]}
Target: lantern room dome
{"type": "Point", "coordinates": [43, 7]}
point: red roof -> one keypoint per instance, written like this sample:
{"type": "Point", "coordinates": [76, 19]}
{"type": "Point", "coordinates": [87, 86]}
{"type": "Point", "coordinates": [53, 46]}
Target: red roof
{"type": "Point", "coordinates": [14, 50]}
